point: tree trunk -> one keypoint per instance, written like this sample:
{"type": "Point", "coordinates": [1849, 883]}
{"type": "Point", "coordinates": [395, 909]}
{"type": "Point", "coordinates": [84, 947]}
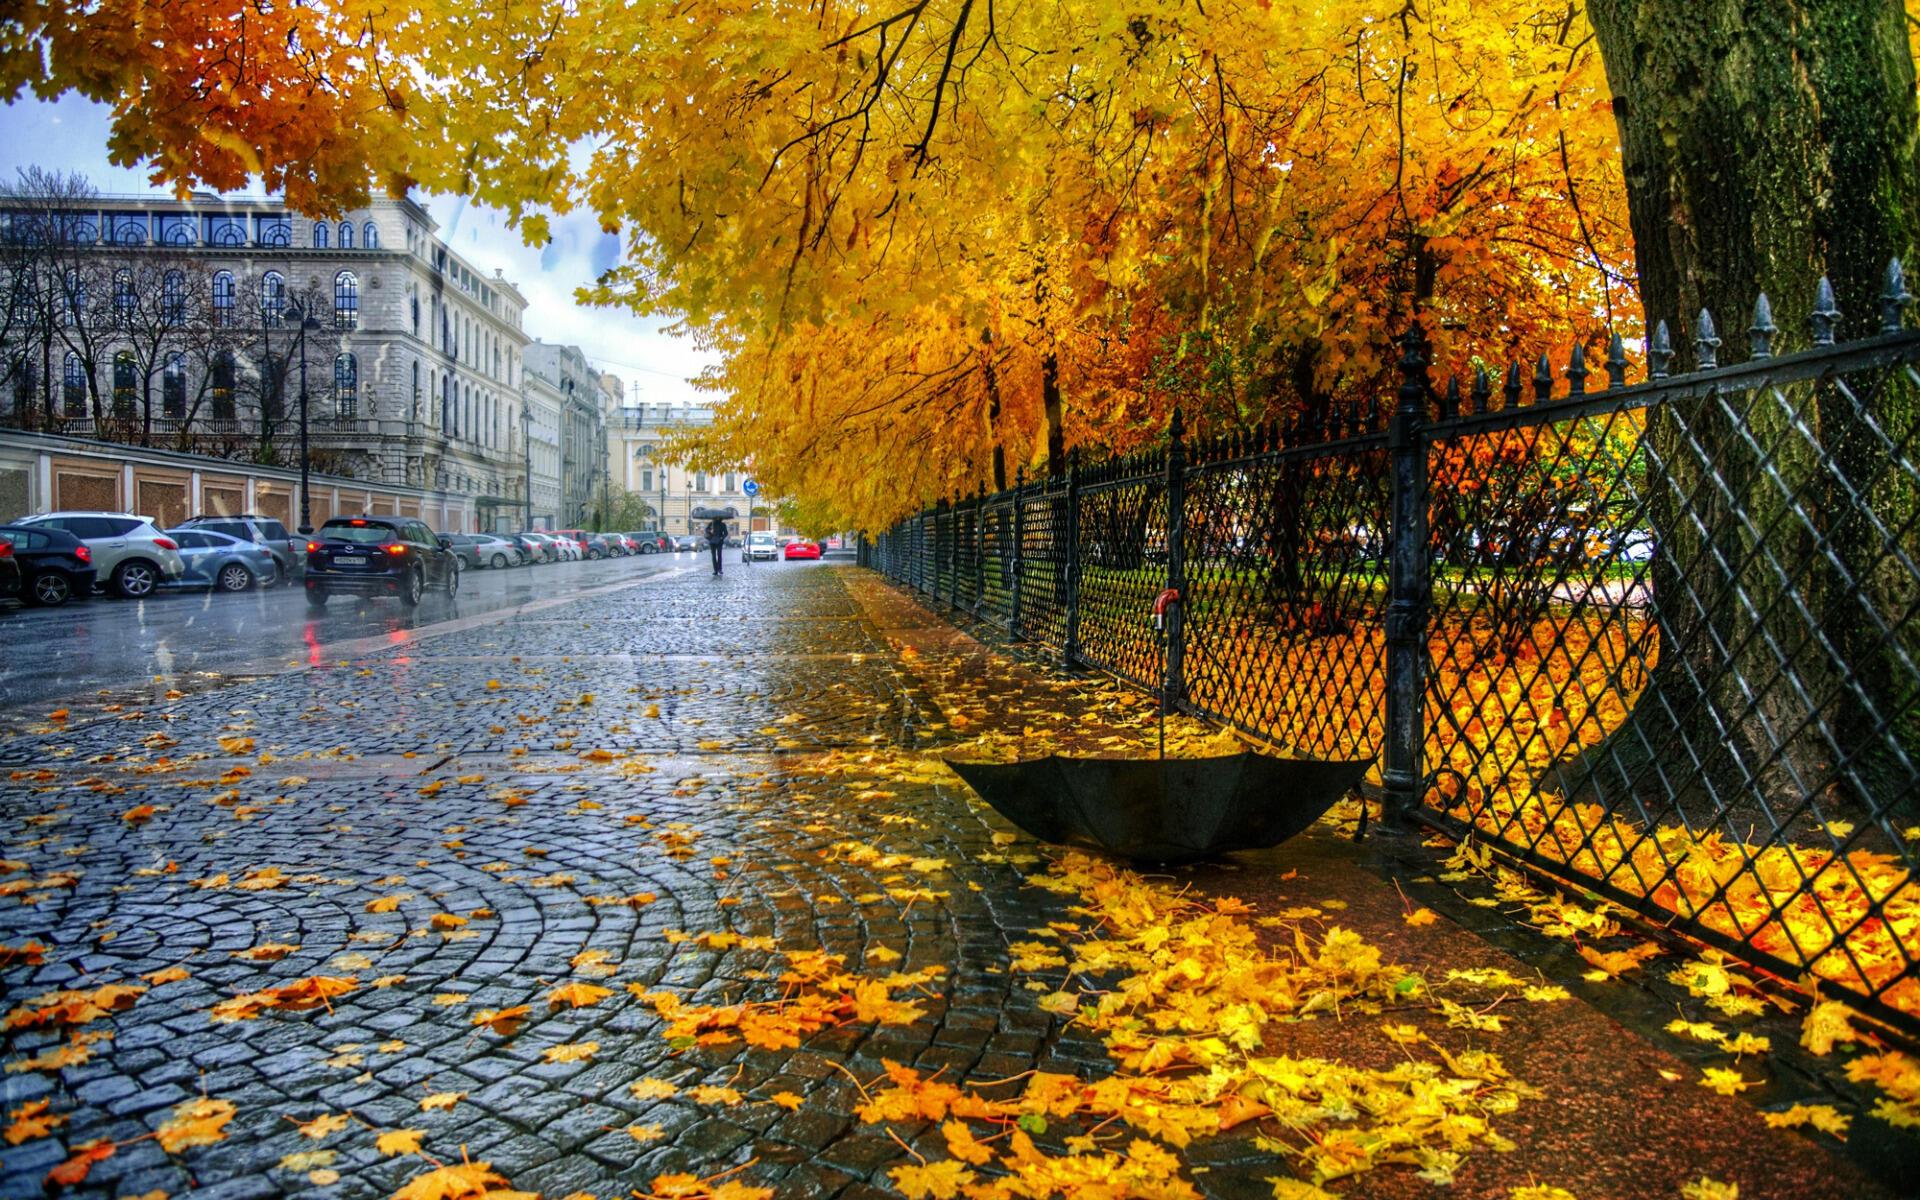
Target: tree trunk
{"type": "Point", "coordinates": [1766, 143]}
{"type": "Point", "coordinates": [1050, 403]}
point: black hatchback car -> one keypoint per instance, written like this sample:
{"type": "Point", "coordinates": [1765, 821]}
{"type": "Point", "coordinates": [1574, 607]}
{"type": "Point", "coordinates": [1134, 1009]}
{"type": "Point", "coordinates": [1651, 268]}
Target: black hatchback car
{"type": "Point", "coordinates": [379, 556]}
{"type": "Point", "coordinates": [55, 566]}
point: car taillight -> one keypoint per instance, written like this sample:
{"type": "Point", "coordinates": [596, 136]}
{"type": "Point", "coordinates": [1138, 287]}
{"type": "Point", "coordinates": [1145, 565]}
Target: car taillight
{"type": "Point", "coordinates": [166, 543]}
{"type": "Point", "coordinates": [312, 547]}
{"type": "Point", "coordinates": [83, 554]}
{"type": "Point", "coordinates": [6, 549]}
{"type": "Point", "coordinates": [397, 548]}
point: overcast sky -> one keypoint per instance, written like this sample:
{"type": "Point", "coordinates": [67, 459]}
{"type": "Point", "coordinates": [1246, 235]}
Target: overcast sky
{"type": "Point", "coordinates": [71, 135]}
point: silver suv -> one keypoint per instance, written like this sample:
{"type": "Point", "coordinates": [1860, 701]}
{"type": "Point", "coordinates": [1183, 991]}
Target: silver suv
{"type": "Point", "coordinates": [130, 554]}
{"type": "Point", "coordinates": [289, 552]}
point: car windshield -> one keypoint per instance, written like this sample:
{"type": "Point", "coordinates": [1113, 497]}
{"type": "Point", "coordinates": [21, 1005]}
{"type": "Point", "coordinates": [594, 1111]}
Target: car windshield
{"type": "Point", "coordinates": [367, 535]}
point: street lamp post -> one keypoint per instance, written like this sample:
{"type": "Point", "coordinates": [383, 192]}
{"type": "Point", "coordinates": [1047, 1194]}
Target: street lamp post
{"type": "Point", "coordinates": [526, 450]}
{"type": "Point", "coordinates": [307, 321]}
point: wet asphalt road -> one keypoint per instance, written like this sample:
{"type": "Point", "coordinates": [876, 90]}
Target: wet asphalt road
{"type": "Point", "coordinates": [190, 640]}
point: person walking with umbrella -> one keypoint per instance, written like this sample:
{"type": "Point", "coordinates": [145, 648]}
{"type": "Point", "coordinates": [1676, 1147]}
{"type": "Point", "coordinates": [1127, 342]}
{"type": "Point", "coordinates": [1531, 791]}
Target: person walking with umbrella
{"type": "Point", "coordinates": [716, 540]}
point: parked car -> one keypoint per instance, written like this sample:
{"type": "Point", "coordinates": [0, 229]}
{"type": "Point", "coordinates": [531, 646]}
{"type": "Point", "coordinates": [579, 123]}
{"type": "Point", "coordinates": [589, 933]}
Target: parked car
{"type": "Point", "coordinates": [55, 566]}
{"type": "Point", "coordinates": [620, 545]}
{"type": "Point", "coordinates": [9, 571]}
{"type": "Point", "coordinates": [569, 550]}
{"type": "Point", "coordinates": [496, 551]}
{"type": "Point", "coordinates": [800, 549]}
{"type": "Point", "coordinates": [652, 541]}
{"type": "Point", "coordinates": [129, 553]}
{"type": "Point", "coordinates": [217, 560]}
{"type": "Point", "coordinates": [289, 551]}
{"type": "Point", "coordinates": [578, 537]}
{"type": "Point", "coordinates": [760, 545]}
{"type": "Point", "coordinates": [596, 545]}
{"type": "Point", "coordinates": [379, 556]}
{"type": "Point", "coordinates": [532, 548]}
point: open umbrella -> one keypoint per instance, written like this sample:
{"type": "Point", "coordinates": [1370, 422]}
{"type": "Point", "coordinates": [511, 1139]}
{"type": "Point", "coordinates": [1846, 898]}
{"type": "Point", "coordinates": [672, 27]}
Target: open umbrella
{"type": "Point", "coordinates": [1164, 810]}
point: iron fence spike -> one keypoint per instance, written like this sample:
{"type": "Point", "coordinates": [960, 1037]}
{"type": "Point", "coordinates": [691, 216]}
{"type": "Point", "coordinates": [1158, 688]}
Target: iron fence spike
{"type": "Point", "coordinates": [1450, 401]}
{"type": "Point", "coordinates": [1542, 379]}
{"type": "Point", "coordinates": [1482, 389]}
{"type": "Point", "coordinates": [1577, 371]}
{"type": "Point", "coordinates": [1894, 299]}
{"type": "Point", "coordinates": [1659, 352]}
{"type": "Point", "coordinates": [1760, 333]}
{"type": "Point", "coordinates": [1511, 392]}
{"type": "Point", "coordinates": [1706, 343]}
{"type": "Point", "coordinates": [1616, 361]}
{"type": "Point", "coordinates": [1826, 314]}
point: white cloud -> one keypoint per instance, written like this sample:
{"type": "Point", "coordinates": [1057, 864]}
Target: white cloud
{"type": "Point", "coordinates": [70, 134]}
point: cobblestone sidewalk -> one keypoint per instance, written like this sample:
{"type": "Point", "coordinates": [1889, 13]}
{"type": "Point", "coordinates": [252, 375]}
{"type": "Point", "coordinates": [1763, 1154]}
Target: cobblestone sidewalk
{"type": "Point", "coordinates": [466, 825]}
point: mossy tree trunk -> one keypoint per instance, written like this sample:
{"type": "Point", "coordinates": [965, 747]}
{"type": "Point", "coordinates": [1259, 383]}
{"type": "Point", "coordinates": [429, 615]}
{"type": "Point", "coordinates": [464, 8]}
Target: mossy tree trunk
{"type": "Point", "coordinates": [1767, 143]}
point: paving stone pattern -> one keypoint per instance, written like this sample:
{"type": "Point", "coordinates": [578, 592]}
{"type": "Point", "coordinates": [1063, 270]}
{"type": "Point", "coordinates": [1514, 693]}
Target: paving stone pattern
{"type": "Point", "coordinates": [753, 700]}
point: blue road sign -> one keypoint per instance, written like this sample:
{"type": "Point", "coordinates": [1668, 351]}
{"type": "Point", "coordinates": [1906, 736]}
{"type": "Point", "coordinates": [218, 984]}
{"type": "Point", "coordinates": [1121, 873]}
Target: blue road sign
{"type": "Point", "coordinates": [750, 488]}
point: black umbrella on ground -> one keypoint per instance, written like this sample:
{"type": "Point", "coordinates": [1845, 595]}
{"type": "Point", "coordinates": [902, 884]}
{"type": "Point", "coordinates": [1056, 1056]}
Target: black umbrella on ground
{"type": "Point", "coordinates": [1161, 809]}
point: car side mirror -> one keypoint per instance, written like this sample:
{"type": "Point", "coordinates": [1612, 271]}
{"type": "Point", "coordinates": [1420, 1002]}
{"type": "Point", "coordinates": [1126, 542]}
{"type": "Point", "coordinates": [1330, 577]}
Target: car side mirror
{"type": "Point", "coordinates": [446, 543]}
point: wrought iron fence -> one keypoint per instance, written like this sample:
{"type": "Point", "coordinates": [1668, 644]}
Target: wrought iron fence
{"type": "Point", "coordinates": [1661, 640]}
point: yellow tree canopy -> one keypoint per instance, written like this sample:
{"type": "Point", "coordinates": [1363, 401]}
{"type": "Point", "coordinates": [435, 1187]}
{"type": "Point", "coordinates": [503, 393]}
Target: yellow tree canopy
{"type": "Point", "coordinates": [907, 226]}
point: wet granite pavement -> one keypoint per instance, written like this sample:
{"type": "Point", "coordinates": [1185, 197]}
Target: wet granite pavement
{"type": "Point", "coordinates": [726, 747]}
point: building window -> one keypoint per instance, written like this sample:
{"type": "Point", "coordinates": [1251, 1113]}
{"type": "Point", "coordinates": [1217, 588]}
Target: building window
{"type": "Point", "coordinates": [273, 386]}
{"type": "Point", "coordinates": [346, 297]}
{"type": "Point", "coordinates": [173, 230]}
{"type": "Point", "coordinates": [127, 229]}
{"type": "Point", "coordinates": [319, 235]}
{"type": "Point", "coordinates": [123, 297]}
{"type": "Point", "coordinates": [372, 239]}
{"type": "Point", "coordinates": [173, 298]}
{"type": "Point", "coordinates": [274, 230]}
{"type": "Point", "coordinates": [346, 235]}
{"type": "Point", "coordinates": [447, 415]}
{"type": "Point", "coordinates": [22, 384]}
{"type": "Point", "coordinates": [730, 483]}
{"type": "Point", "coordinates": [173, 386]}
{"type": "Point", "coordinates": [346, 385]}
{"type": "Point", "coordinates": [646, 481]}
{"type": "Point", "coordinates": [222, 386]}
{"type": "Point", "coordinates": [123, 384]}
{"type": "Point", "coordinates": [273, 297]}
{"type": "Point", "coordinates": [416, 389]}
{"type": "Point", "coordinates": [223, 298]}
{"type": "Point", "coordinates": [73, 385]}
{"type": "Point", "coordinates": [700, 481]}
{"type": "Point", "coordinates": [413, 302]}
{"type": "Point", "coordinates": [226, 231]}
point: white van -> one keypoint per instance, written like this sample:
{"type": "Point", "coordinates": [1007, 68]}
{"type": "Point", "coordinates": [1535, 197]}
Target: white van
{"type": "Point", "coordinates": [760, 545]}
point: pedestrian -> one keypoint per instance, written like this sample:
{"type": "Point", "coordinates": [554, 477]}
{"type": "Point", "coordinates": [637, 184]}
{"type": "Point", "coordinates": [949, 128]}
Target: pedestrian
{"type": "Point", "coordinates": [716, 540]}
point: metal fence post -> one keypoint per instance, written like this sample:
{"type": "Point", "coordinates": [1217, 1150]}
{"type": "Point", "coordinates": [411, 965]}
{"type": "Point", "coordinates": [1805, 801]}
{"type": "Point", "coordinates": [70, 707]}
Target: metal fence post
{"type": "Point", "coordinates": [1070, 644]}
{"type": "Point", "coordinates": [1407, 581]}
{"type": "Point", "coordinates": [1018, 562]}
{"type": "Point", "coordinates": [1176, 675]}
{"type": "Point", "coordinates": [979, 548]}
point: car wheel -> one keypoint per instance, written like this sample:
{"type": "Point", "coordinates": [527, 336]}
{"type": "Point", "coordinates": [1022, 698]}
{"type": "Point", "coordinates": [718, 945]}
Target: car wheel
{"type": "Point", "coordinates": [412, 589]}
{"type": "Point", "coordinates": [234, 577]}
{"type": "Point", "coordinates": [135, 580]}
{"type": "Point", "coordinates": [50, 590]}
{"type": "Point", "coordinates": [316, 597]}
{"type": "Point", "coordinates": [499, 562]}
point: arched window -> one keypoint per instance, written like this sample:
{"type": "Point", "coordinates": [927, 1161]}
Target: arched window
{"type": "Point", "coordinates": [173, 298]}
{"type": "Point", "coordinates": [346, 385]}
{"type": "Point", "coordinates": [123, 384]}
{"type": "Point", "coordinates": [173, 386]}
{"type": "Point", "coordinates": [22, 385]}
{"type": "Point", "coordinates": [346, 299]}
{"type": "Point", "coordinates": [372, 239]}
{"type": "Point", "coordinates": [123, 297]}
{"type": "Point", "coordinates": [73, 385]}
{"type": "Point", "coordinates": [273, 297]}
{"type": "Point", "coordinates": [446, 406]}
{"type": "Point", "coordinates": [223, 298]}
{"type": "Point", "coordinates": [222, 386]}
{"type": "Point", "coordinates": [413, 303]}
{"type": "Point", "coordinates": [346, 235]}
{"type": "Point", "coordinates": [319, 235]}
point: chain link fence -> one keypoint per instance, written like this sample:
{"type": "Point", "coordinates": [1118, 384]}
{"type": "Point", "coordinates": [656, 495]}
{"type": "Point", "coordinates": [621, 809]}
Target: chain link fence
{"type": "Point", "coordinates": [1661, 641]}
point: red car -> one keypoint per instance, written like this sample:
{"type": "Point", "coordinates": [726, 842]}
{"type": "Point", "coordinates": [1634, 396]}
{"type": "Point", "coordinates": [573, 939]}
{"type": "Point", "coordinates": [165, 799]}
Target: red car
{"type": "Point", "coordinates": [801, 550]}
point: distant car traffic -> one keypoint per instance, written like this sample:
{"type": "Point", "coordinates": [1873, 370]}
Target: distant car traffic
{"type": "Point", "coordinates": [379, 556]}
{"type": "Point", "coordinates": [129, 553]}
{"type": "Point", "coordinates": [55, 566]}
{"type": "Point", "coordinates": [218, 560]}
{"type": "Point", "coordinates": [760, 545]}
{"type": "Point", "coordinates": [800, 549]}
{"type": "Point", "coordinates": [289, 552]}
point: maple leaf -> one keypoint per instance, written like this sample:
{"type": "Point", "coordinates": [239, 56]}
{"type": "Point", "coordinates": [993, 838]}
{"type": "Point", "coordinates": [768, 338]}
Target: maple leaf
{"type": "Point", "coordinates": [1705, 1188]}
{"type": "Point", "coordinates": [645, 1133]}
{"type": "Point", "coordinates": [72, 1007]}
{"type": "Point", "coordinates": [933, 1181]}
{"type": "Point", "coordinates": [1724, 1080]}
{"type": "Point", "coordinates": [1619, 962]}
{"type": "Point", "coordinates": [441, 1101]}
{"type": "Point", "coordinates": [1823, 1117]}
{"type": "Point", "coordinates": [962, 1144]}
{"type": "Point", "coordinates": [32, 1120]}
{"type": "Point", "coordinates": [73, 1172]}
{"type": "Point", "coordinates": [1825, 1025]}
{"type": "Point", "coordinates": [54, 1058]}
{"type": "Point", "coordinates": [570, 1052]}
{"type": "Point", "coordinates": [461, 1181]}
{"type": "Point", "coordinates": [324, 1125]}
{"type": "Point", "coordinates": [399, 1141]}
{"type": "Point", "coordinates": [1421, 916]}
{"type": "Point", "coordinates": [200, 1122]}
{"type": "Point", "coordinates": [504, 1021]}
{"type": "Point", "coordinates": [652, 1089]}
{"type": "Point", "coordinates": [173, 974]}
{"type": "Point", "coordinates": [791, 1101]}
{"type": "Point", "coordinates": [577, 995]}
{"type": "Point", "coordinates": [29, 954]}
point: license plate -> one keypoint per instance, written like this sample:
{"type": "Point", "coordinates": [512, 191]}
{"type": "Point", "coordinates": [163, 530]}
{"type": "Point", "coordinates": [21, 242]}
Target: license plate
{"type": "Point", "coordinates": [350, 560]}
